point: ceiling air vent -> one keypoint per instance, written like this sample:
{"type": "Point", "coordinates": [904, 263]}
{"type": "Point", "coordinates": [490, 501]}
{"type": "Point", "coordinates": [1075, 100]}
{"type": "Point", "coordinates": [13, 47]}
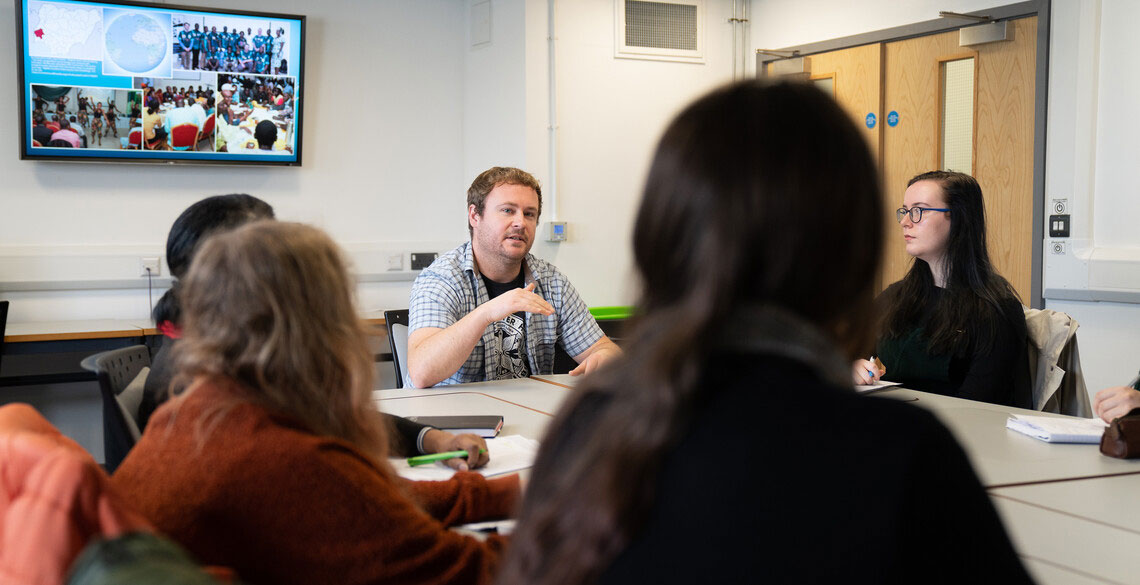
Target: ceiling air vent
{"type": "Point", "coordinates": [664, 30]}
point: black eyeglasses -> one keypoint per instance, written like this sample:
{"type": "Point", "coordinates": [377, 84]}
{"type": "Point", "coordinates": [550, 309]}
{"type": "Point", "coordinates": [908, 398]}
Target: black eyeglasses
{"type": "Point", "coordinates": [916, 212]}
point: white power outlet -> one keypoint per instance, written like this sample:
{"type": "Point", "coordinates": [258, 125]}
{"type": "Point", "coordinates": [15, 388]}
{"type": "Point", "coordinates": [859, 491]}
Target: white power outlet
{"type": "Point", "coordinates": [151, 263]}
{"type": "Point", "coordinates": [395, 261]}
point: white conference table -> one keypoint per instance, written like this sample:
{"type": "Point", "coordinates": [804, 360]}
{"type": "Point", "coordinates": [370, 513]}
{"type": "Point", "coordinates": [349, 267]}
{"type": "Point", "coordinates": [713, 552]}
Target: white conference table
{"type": "Point", "coordinates": [1005, 458]}
{"type": "Point", "coordinates": [1072, 513]}
{"type": "Point", "coordinates": [527, 404]}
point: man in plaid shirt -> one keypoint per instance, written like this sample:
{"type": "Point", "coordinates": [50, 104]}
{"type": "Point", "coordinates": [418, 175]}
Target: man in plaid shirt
{"type": "Point", "coordinates": [488, 310]}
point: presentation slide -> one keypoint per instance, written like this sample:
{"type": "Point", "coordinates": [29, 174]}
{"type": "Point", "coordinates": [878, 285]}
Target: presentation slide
{"type": "Point", "coordinates": [109, 81]}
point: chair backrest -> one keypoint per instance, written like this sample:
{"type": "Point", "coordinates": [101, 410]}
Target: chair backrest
{"type": "Point", "coordinates": [1055, 363]}
{"type": "Point", "coordinates": [3, 323]}
{"type": "Point", "coordinates": [397, 323]}
{"type": "Point", "coordinates": [135, 136]}
{"type": "Point", "coordinates": [208, 127]}
{"type": "Point", "coordinates": [184, 136]}
{"type": "Point", "coordinates": [121, 374]}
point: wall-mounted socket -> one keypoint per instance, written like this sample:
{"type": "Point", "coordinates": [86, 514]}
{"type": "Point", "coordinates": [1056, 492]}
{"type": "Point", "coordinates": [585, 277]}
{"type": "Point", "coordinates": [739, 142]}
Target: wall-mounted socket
{"type": "Point", "coordinates": [421, 260]}
{"type": "Point", "coordinates": [150, 266]}
{"type": "Point", "coordinates": [557, 231]}
{"type": "Point", "coordinates": [395, 262]}
{"type": "Point", "coordinates": [1059, 226]}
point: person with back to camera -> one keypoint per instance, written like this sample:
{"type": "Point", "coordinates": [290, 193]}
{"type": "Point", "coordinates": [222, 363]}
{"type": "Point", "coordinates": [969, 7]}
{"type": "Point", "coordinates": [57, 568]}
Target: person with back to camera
{"type": "Point", "coordinates": [40, 132]}
{"type": "Point", "coordinates": [952, 325]}
{"type": "Point", "coordinates": [727, 444]}
{"type": "Point", "coordinates": [222, 213]}
{"type": "Point", "coordinates": [66, 134]}
{"type": "Point", "coordinates": [273, 461]}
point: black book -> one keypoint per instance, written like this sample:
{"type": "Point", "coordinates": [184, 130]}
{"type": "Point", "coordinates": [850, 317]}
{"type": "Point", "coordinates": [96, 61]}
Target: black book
{"type": "Point", "coordinates": [484, 425]}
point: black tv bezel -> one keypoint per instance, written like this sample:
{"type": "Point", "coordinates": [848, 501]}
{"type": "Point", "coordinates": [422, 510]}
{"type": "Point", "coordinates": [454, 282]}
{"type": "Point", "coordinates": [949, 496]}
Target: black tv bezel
{"type": "Point", "coordinates": [21, 91]}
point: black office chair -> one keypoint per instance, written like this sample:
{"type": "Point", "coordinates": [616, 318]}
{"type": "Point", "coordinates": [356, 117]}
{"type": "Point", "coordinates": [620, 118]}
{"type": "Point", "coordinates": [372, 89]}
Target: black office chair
{"type": "Point", "coordinates": [122, 375]}
{"type": "Point", "coordinates": [3, 322]}
{"type": "Point", "coordinates": [397, 324]}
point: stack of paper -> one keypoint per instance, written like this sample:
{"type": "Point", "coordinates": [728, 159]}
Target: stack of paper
{"type": "Point", "coordinates": [508, 454]}
{"type": "Point", "coordinates": [1058, 429]}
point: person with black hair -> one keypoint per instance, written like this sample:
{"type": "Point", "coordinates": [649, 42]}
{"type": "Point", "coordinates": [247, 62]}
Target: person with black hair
{"type": "Point", "coordinates": [756, 242]}
{"type": "Point", "coordinates": [223, 213]}
{"type": "Point", "coordinates": [40, 132]}
{"type": "Point", "coordinates": [97, 117]}
{"type": "Point", "coordinates": [78, 129]}
{"type": "Point", "coordinates": [952, 325]}
{"type": "Point", "coordinates": [66, 134]}
{"type": "Point", "coordinates": [154, 126]}
{"type": "Point", "coordinates": [112, 118]}
{"type": "Point", "coordinates": [197, 42]}
{"type": "Point", "coordinates": [266, 134]}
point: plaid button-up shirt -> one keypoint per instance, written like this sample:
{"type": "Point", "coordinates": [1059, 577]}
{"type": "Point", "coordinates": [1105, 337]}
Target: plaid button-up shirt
{"type": "Point", "coordinates": [452, 287]}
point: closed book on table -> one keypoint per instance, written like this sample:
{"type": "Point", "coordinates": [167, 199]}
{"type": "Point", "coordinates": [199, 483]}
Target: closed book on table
{"type": "Point", "coordinates": [484, 425]}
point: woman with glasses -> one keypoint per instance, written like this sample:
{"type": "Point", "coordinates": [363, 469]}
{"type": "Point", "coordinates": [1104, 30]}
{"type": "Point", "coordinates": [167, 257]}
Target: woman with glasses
{"type": "Point", "coordinates": [726, 445]}
{"type": "Point", "coordinates": [952, 325]}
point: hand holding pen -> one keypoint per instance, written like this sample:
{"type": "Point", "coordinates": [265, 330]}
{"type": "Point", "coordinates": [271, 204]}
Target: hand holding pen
{"type": "Point", "coordinates": [1117, 401]}
{"type": "Point", "coordinates": [868, 371]}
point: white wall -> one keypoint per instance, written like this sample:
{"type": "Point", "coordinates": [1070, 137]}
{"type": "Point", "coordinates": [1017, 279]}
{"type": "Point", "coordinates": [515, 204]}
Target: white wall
{"type": "Point", "coordinates": [1090, 148]}
{"type": "Point", "coordinates": [610, 115]}
{"type": "Point", "coordinates": [1091, 159]}
{"type": "Point", "coordinates": [784, 23]}
{"type": "Point", "coordinates": [383, 162]}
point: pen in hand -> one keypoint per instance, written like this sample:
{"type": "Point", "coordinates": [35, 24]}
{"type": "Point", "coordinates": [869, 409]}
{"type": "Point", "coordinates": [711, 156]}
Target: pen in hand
{"type": "Point", "coordinates": [432, 458]}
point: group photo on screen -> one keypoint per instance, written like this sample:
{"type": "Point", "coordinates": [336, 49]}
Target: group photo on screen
{"type": "Point", "coordinates": [82, 117]}
{"type": "Point", "coordinates": [230, 44]}
{"type": "Point", "coordinates": [255, 114]}
{"type": "Point", "coordinates": [178, 114]}
{"type": "Point", "coordinates": [138, 81]}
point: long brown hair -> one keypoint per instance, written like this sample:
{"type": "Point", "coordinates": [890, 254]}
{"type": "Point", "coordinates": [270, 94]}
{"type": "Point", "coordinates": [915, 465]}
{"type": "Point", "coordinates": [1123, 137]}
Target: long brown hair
{"type": "Point", "coordinates": [270, 306]}
{"type": "Point", "coordinates": [970, 312]}
{"type": "Point", "coordinates": [759, 194]}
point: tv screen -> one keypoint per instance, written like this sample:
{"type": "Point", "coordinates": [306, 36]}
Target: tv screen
{"type": "Point", "coordinates": [137, 82]}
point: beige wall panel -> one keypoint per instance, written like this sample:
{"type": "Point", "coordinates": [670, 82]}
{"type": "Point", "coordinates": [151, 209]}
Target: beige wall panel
{"type": "Point", "coordinates": [1003, 149]}
{"type": "Point", "coordinates": [1003, 139]}
{"type": "Point", "coordinates": [910, 88]}
{"type": "Point", "coordinates": [857, 72]}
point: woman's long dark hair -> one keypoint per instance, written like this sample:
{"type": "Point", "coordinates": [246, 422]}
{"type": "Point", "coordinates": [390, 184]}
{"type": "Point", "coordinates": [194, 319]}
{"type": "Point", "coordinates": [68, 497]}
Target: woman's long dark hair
{"type": "Point", "coordinates": [210, 215]}
{"type": "Point", "coordinates": [970, 310]}
{"type": "Point", "coordinates": [759, 193]}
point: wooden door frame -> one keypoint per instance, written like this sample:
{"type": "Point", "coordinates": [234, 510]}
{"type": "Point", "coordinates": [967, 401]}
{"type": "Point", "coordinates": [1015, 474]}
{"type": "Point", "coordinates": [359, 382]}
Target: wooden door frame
{"type": "Point", "coordinates": [1038, 8]}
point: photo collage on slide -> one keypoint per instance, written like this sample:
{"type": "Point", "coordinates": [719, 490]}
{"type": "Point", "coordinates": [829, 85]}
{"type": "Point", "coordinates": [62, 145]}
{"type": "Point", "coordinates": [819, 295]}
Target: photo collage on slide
{"type": "Point", "coordinates": [179, 81]}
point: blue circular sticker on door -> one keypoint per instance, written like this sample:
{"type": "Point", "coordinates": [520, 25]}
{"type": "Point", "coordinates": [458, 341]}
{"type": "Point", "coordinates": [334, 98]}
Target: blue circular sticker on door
{"type": "Point", "coordinates": [893, 119]}
{"type": "Point", "coordinates": [871, 119]}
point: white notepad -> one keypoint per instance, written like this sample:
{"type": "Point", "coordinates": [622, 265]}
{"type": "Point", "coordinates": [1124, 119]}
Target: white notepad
{"type": "Point", "coordinates": [1058, 430]}
{"type": "Point", "coordinates": [865, 388]}
{"type": "Point", "coordinates": [509, 454]}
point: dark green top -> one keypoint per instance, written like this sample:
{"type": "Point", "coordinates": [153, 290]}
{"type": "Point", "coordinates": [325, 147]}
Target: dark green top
{"type": "Point", "coordinates": [999, 375]}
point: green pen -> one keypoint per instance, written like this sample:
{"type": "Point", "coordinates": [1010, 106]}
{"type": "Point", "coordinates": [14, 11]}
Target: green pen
{"type": "Point", "coordinates": [424, 459]}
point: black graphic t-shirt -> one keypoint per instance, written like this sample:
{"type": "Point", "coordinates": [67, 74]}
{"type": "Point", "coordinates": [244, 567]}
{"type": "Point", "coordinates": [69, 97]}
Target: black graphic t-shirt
{"type": "Point", "coordinates": [508, 355]}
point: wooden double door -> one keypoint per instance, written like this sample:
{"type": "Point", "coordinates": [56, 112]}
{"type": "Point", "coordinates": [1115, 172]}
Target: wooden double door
{"type": "Point", "coordinates": [897, 93]}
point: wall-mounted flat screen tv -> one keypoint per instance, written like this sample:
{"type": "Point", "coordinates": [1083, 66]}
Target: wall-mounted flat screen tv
{"type": "Point", "coordinates": [138, 82]}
